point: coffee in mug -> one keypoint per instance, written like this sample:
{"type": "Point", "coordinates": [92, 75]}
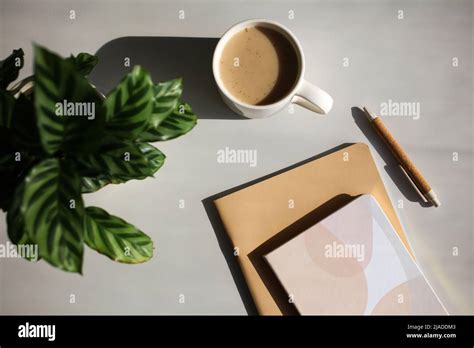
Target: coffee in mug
{"type": "Point", "coordinates": [259, 69]}
{"type": "Point", "coordinates": [259, 65]}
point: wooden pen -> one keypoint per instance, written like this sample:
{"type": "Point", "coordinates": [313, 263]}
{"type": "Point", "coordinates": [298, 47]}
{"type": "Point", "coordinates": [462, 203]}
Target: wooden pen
{"type": "Point", "coordinates": [415, 175]}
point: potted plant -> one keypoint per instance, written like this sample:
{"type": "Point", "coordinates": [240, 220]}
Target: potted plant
{"type": "Point", "coordinates": [60, 138]}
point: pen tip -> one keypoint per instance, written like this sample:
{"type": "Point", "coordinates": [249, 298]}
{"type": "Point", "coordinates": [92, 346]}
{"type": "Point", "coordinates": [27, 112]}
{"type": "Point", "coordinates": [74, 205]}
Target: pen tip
{"type": "Point", "coordinates": [433, 198]}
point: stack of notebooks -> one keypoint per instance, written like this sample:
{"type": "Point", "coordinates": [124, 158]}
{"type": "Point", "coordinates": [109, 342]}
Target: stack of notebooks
{"type": "Point", "coordinates": [323, 238]}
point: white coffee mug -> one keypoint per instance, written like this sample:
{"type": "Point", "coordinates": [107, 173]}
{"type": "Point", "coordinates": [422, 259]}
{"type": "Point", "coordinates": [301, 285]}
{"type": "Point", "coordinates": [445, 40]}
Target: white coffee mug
{"type": "Point", "coordinates": [303, 93]}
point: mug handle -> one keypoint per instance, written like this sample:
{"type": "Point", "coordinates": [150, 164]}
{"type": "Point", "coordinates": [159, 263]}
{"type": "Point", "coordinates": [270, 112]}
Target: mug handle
{"type": "Point", "coordinates": [313, 98]}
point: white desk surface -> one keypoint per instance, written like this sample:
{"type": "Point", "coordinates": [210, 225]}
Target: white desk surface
{"type": "Point", "coordinates": [405, 60]}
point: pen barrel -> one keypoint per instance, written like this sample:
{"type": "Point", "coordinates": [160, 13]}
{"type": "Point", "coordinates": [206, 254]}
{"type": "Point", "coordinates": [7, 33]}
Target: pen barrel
{"type": "Point", "coordinates": [401, 156]}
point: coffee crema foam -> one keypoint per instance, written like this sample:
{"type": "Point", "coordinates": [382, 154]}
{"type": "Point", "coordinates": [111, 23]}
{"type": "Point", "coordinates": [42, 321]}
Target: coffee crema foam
{"type": "Point", "coordinates": [259, 66]}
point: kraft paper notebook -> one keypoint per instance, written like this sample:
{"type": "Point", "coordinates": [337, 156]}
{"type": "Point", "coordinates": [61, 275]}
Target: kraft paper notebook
{"type": "Point", "coordinates": [261, 216]}
{"type": "Point", "coordinates": [353, 262]}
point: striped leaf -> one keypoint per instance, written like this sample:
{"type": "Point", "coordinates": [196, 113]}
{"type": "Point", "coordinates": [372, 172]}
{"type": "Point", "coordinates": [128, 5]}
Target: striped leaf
{"type": "Point", "coordinates": [167, 96]}
{"type": "Point", "coordinates": [56, 84]}
{"type": "Point", "coordinates": [92, 184]}
{"type": "Point", "coordinates": [180, 121]}
{"type": "Point", "coordinates": [15, 221]}
{"type": "Point", "coordinates": [121, 161]}
{"type": "Point", "coordinates": [10, 68]}
{"type": "Point", "coordinates": [130, 104]}
{"type": "Point", "coordinates": [83, 63]}
{"type": "Point", "coordinates": [7, 103]}
{"type": "Point", "coordinates": [53, 212]}
{"type": "Point", "coordinates": [155, 157]}
{"type": "Point", "coordinates": [116, 238]}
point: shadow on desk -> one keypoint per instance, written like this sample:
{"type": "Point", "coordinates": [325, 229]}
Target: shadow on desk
{"type": "Point", "coordinates": [166, 58]}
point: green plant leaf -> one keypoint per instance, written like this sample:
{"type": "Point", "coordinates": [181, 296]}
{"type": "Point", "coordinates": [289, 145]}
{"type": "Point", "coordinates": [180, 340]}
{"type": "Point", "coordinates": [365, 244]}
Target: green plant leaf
{"type": "Point", "coordinates": [57, 84]}
{"type": "Point", "coordinates": [10, 68]}
{"type": "Point", "coordinates": [16, 223]}
{"type": "Point", "coordinates": [177, 123]}
{"type": "Point", "coordinates": [155, 157]}
{"type": "Point", "coordinates": [116, 238]}
{"type": "Point", "coordinates": [130, 104]}
{"type": "Point", "coordinates": [154, 160]}
{"type": "Point", "coordinates": [167, 96]}
{"type": "Point", "coordinates": [84, 63]}
{"type": "Point", "coordinates": [120, 161]}
{"type": "Point", "coordinates": [7, 103]}
{"type": "Point", "coordinates": [53, 211]}
{"type": "Point", "coordinates": [92, 184]}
